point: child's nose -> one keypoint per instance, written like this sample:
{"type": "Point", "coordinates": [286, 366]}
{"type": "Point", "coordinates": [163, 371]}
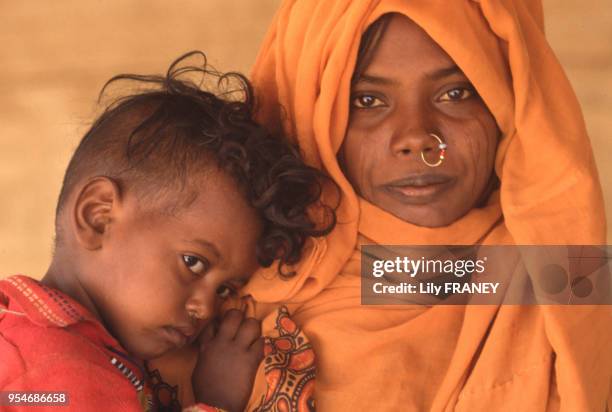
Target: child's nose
{"type": "Point", "coordinates": [201, 306]}
{"type": "Point", "coordinates": [199, 313]}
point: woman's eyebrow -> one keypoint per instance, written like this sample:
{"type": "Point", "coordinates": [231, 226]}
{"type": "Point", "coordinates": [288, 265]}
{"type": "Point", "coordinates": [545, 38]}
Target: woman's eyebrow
{"type": "Point", "coordinates": [385, 81]}
{"type": "Point", "coordinates": [445, 72]}
{"type": "Point", "coordinates": [372, 79]}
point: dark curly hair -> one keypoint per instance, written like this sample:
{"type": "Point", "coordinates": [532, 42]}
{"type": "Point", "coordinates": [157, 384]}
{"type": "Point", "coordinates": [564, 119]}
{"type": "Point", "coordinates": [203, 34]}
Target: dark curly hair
{"type": "Point", "coordinates": [153, 140]}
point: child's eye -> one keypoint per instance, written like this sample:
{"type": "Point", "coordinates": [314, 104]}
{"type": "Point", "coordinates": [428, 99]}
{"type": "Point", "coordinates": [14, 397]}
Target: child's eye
{"type": "Point", "coordinates": [366, 101]}
{"type": "Point", "coordinates": [456, 94]}
{"type": "Point", "coordinates": [225, 291]}
{"type": "Point", "coordinates": [196, 265]}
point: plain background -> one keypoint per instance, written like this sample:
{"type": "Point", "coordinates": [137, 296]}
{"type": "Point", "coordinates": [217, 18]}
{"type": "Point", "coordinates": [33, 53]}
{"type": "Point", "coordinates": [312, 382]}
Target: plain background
{"type": "Point", "coordinates": [55, 56]}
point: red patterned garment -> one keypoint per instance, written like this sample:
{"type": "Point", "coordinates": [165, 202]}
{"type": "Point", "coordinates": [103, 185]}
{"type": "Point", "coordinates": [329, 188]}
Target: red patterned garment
{"type": "Point", "coordinates": [50, 343]}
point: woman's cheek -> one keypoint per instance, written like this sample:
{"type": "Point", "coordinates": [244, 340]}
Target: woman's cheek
{"type": "Point", "coordinates": [361, 167]}
{"type": "Point", "coordinates": [359, 160]}
{"type": "Point", "coordinates": [480, 155]}
{"type": "Point", "coordinates": [489, 136]}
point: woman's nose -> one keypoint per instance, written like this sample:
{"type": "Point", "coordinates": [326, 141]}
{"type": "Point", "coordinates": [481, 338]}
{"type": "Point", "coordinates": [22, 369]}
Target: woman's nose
{"type": "Point", "coordinates": [413, 144]}
{"type": "Point", "coordinates": [412, 134]}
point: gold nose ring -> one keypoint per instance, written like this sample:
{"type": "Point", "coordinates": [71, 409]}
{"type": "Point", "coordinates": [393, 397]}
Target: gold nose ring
{"type": "Point", "coordinates": [441, 146]}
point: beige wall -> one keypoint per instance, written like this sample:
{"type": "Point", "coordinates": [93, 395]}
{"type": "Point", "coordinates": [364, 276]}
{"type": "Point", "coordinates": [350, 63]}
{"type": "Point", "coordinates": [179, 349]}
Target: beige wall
{"type": "Point", "coordinates": [56, 55]}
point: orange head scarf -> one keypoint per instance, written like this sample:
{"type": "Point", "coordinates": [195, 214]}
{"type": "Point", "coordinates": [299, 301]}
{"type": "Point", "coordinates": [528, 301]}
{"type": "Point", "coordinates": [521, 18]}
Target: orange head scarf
{"type": "Point", "coordinates": [549, 194]}
{"type": "Point", "coordinates": [544, 160]}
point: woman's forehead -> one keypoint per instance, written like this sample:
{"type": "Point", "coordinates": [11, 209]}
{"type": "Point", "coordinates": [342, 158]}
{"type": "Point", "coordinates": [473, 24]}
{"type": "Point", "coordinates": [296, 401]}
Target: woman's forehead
{"type": "Point", "coordinates": [405, 45]}
{"type": "Point", "coordinates": [463, 34]}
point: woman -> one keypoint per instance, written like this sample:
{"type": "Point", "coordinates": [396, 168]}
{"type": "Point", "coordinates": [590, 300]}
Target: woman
{"type": "Point", "coordinates": [376, 110]}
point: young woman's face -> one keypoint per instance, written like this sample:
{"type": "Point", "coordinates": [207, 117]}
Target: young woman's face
{"type": "Point", "coordinates": [410, 89]}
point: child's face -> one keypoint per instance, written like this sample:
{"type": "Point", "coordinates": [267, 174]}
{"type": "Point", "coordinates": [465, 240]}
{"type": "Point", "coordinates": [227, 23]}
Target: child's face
{"type": "Point", "coordinates": [155, 272]}
{"type": "Point", "coordinates": [412, 88]}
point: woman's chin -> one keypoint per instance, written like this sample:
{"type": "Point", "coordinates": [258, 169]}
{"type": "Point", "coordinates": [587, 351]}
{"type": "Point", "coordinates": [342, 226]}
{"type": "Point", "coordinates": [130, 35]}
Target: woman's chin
{"type": "Point", "coordinates": [431, 221]}
{"type": "Point", "coordinates": [430, 215]}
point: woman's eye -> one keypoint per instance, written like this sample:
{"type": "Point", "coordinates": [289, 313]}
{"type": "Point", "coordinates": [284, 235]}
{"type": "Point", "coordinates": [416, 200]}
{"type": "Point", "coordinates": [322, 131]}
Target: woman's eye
{"type": "Point", "coordinates": [366, 101]}
{"type": "Point", "coordinates": [459, 93]}
{"type": "Point", "coordinates": [225, 291]}
{"type": "Point", "coordinates": [194, 264]}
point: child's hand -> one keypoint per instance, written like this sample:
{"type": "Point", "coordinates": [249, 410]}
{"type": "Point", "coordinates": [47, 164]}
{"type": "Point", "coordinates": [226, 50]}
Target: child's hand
{"type": "Point", "coordinates": [227, 362]}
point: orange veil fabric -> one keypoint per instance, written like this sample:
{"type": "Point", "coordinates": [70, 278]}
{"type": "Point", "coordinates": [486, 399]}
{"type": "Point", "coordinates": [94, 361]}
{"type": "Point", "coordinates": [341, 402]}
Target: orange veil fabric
{"type": "Point", "coordinates": [444, 357]}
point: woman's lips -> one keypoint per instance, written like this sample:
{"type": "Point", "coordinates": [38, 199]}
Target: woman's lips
{"type": "Point", "coordinates": [419, 189]}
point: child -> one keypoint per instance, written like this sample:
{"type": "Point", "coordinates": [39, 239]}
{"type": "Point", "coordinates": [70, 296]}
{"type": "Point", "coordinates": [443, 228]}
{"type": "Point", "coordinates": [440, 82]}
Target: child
{"type": "Point", "coordinates": [169, 203]}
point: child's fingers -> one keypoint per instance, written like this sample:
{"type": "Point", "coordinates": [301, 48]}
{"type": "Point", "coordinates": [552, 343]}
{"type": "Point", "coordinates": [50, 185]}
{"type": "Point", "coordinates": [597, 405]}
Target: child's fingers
{"type": "Point", "coordinates": [230, 324]}
{"type": "Point", "coordinates": [249, 331]}
{"type": "Point", "coordinates": [207, 334]}
{"type": "Point", "coordinates": [257, 349]}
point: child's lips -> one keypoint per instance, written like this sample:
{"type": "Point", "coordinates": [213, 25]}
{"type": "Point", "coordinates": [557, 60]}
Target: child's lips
{"type": "Point", "coordinates": [177, 336]}
{"type": "Point", "coordinates": [188, 331]}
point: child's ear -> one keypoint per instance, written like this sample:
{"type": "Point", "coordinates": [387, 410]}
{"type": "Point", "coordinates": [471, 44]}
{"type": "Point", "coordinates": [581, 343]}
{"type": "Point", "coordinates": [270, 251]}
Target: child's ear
{"type": "Point", "coordinates": [96, 207]}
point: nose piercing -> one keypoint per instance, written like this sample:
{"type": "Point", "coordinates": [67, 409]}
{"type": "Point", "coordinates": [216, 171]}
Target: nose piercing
{"type": "Point", "coordinates": [441, 147]}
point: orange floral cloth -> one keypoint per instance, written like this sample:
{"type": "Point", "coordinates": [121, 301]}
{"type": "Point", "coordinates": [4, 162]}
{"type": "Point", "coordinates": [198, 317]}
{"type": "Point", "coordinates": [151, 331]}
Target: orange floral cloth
{"type": "Point", "coordinates": [442, 358]}
{"type": "Point", "coordinates": [289, 368]}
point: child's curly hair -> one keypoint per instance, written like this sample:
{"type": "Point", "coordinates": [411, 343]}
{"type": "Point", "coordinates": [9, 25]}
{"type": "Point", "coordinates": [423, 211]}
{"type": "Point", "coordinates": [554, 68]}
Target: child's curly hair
{"type": "Point", "coordinates": [155, 139]}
